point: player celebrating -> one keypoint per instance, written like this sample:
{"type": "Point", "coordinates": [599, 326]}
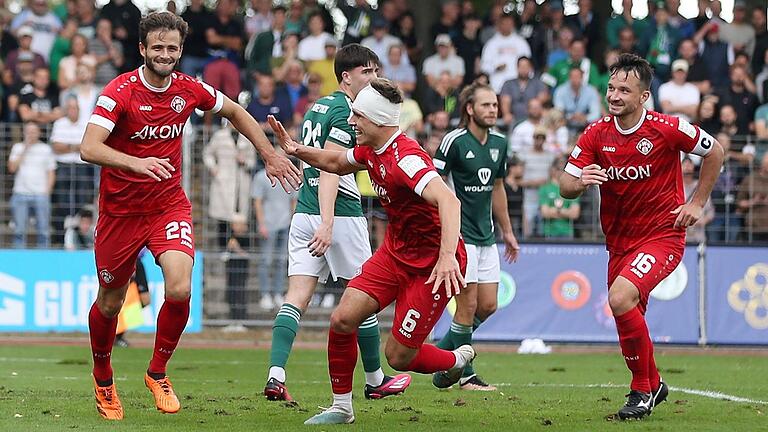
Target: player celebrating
{"type": "Point", "coordinates": [329, 233]}
{"type": "Point", "coordinates": [634, 156]}
{"type": "Point", "coordinates": [422, 237]}
{"type": "Point", "coordinates": [135, 134]}
{"type": "Point", "coordinates": [470, 158]}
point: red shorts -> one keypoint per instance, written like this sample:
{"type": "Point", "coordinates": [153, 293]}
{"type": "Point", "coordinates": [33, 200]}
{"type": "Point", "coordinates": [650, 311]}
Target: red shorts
{"type": "Point", "coordinates": [118, 241]}
{"type": "Point", "coordinates": [416, 308]}
{"type": "Point", "coordinates": [647, 265]}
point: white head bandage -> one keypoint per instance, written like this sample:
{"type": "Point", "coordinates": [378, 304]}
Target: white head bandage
{"type": "Point", "coordinates": [376, 107]}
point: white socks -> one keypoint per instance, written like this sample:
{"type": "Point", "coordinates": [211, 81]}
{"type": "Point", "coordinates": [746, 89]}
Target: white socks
{"type": "Point", "coordinates": [277, 373]}
{"type": "Point", "coordinates": [343, 402]}
{"type": "Point", "coordinates": [374, 379]}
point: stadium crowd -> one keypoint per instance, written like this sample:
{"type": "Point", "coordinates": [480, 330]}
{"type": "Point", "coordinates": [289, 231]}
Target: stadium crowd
{"type": "Point", "coordinates": [549, 70]}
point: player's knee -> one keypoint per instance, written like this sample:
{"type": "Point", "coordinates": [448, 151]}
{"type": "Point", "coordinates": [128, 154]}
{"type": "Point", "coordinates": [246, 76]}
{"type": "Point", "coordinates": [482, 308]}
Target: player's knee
{"type": "Point", "coordinates": [178, 291]}
{"type": "Point", "coordinates": [110, 306]}
{"type": "Point", "coordinates": [342, 324]}
{"type": "Point", "coordinates": [620, 301]}
{"type": "Point", "coordinates": [486, 309]}
{"type": "Point", "coordinates": [398, 359]}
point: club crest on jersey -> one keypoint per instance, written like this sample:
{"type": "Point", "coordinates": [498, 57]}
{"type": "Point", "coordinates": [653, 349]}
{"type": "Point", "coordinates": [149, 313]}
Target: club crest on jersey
{"type": "Point", "coordinates": [178, 103]}
{"type": "Point", "coordinates": [382, 171]}
{"type": "Point", "coordinates": [484, 174]}
{"type": "Point", "coordinates": [644, 146]}
{"type": "Point", "coordinates": [106, 276]}
{"type": "Point", "coordinates": [495, 154]}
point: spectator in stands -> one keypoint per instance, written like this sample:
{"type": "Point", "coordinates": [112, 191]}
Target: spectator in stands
{"type": "Point", "coordinates": [743, 100]}
{"type": "Point", "coordinates": [521, 137]}
{"type": "Point", "coordinates": [761, 38]}
{"type": "Point", "coordinates": [628, 42]}
{"type": "Point", "coordinates": [262, 47]}
{"type": "Point", "coordinates": [404, 75]}
{"type": "Point", "coordinates": [108, 53]}
{"type": "Point", "coordinates": [84, 90]}
{"type": "Point", "coordinates": [560, 51]}
{"type": "Point", "coordinates": [312, 6]}
{"type": "Point", "coordinates": [624, 20]}
{"type": "Point", "coordinates": [469, 47]}
{"type": "Point", "coordinates": [576, 58]}
{"type": "Point", "coordinates": [62, 47]}
{"type": "Point", "coordinates": [707, 116]}
{"type": "Point", "coordinates": [22, 53]}
{"type": "Point", "coordinates": [225, 38]}
{"type": "Point", "coordinates": [40, 102]}
{"type": "Point", "coordinates": [290, 51]}
{"type": "Point", "coordinates": [728, 221]}
{"type": "Point", "coordinates": [500, 53]}
{"type": "Point", "coordinates": [684, 27]}
{"type": "Point", "coordinates": [324, 68]}
{"type": "Point", "coordinates": [578, 101]}
{"type": "Point", "coordinates": [406, 32]}
{"type": "Point", "coordinates": [236, 269]}
{"type": "Point", "coordinates": [411, 117]}
{"type": "Point", "coordinates": [678, 97]}
{"type": "Point", "coordinates": [753, 201]}
{"type": "Point", "coordinates": [557, 213]}
{"type": "Point", "coordinates": [125, 17]}
{"type": "Point", "coordinates": [34, 169]}
{"type": "Point", "coordinates": [85, 11]}
{"type": "Point", "coordinates": [698, 73]}
{"type": "Point", "coordinates": [517, 93]}
{"type": "Point", "coordinates": [296, 23]}
{"type": "Point", "coordinates": [442, 97]}
{"type": "Point", "coordinates": [380, 40]}
{"type": "Point", "coordinates": [587, 25]}
{"type": "Point", "coordinates": [761, 122]}
{"type": "Point", "coordinates": [531, 29]}
{"type": "Point", "coordinates": [314, 92]}
{"type": "Point", "coordinates": [359, 18]}
{"type": "Point", "coordinates": [312, 46]}
{"type": "Point", "coordinates": [271, 100]}
{"type": "Point", "coordinates": [259, 17]}
{"type": "Point", "coordinates": [445, 60]}
{"type": "Point", "coordinates": [437, 126]}
{"type": "Point", "coordinates": [659, 43]}
{"type": "Point", "coordinates": [68, 65]}
{"type": "Point", "coordinates": [273, 208]}
{"type": "Point", "coordinates": [43, 23]}
{"type": "Point", "coordinates": [293, 82]}
{"type": "Point", "coordinates": [558, 140]}
{"type": "Point", "coordinates": [554, 25]}
{"type": "Point", "coordinates": [695, 233]}
{"type": "Point", "coordinates": [229, 163]}
{"type": "Point", "coordinates": [196, 45]}
{"type": "Point", "coordinates": [8, 41]}
{"type": "Point", "coordinates": [730, 124]}
{"type": "Point", "coordinates": [79, 234]}
{"type": "Point", "coordinates": [390, 12]}
{"type": "Point", "coordinates": [450, 20]}
{"type": "Point", "coordinates": [537, 162]}
{"type": "Point", "coordinates": [715, 54]}
{"type": "Point", "coordinates": [26, 72]}
{"type": "Point", "coordinates": [75, 179]}
{"type": "Point", "coordinates": [514, 190]}
{"type": "Point", "coordinates": [739, 33]}
{"type": "Point", "coordinates": [491, 21]}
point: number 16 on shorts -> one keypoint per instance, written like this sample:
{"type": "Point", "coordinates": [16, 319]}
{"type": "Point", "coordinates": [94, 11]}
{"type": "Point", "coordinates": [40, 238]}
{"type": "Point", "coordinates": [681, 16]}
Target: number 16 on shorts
{"type": "Point", "coordinates": [642, 264]}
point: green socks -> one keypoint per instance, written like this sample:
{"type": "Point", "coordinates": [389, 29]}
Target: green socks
{"type": "Point", "coordinates": [283, 333]}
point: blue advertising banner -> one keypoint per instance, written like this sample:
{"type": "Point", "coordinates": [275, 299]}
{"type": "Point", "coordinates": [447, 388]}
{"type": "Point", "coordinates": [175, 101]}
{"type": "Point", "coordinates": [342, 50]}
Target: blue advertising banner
{"type": "Point", "coordinates": [44, 291]}
{"type": "Point", "coordinates": [559, 293]}
{"type": "Point", "coordinates": [737, 295]}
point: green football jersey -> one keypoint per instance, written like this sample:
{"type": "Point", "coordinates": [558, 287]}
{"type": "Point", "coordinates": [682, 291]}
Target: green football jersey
{"type": "Point", "coordinates": [328, 121]}
{"type": "Point", "coordinates": [472, 168]}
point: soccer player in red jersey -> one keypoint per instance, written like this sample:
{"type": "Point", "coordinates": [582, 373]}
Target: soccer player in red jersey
{"type": "Point", "coordinates": [634, 156]}
{"type": "Point", "coordinates": [135, 135]}
{"type": "Point", "coordinates": [419, 266]}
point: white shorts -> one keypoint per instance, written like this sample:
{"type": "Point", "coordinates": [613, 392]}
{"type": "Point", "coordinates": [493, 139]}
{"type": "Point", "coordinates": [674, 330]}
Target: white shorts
{"type": "Point", "coordinates": [350, 247]}
{"type": "Point", "coordinates": [482, 264]}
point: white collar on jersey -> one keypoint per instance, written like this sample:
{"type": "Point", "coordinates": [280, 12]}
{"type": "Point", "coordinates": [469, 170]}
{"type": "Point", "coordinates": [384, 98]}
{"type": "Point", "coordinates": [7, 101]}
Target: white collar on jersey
{"type": "Point", "coordinates": [633, 128]}
{"type": "Point", "coordinates": [150, 86]}
{"type": "Point", "coordinates": [389, 142]}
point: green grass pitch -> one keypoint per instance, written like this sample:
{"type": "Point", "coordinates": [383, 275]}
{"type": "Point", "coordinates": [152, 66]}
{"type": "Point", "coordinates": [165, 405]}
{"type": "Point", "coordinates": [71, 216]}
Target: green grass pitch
{"type": "Point", "coordinates": [49, 388]}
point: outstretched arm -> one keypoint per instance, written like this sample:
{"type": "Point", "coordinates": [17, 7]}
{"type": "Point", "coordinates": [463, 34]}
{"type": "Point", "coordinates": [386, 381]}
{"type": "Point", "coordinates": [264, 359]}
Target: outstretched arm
{"type": "Point", "coordinates": [331, 161]}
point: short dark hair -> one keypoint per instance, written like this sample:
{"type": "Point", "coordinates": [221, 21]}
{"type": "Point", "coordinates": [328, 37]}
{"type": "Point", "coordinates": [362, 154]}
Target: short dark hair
{"type": "Point", "coordinates": [162, 21]}
{"type": "Point", "coordinates": [467, 97]}
{"type": "Point", "coordinates": [388, 89]}
{"type": "Point", "coordinates": [352, 56]}
{"type": "Point", "coordinates": [629, 62]}
{"type": "Point", "coordinates": [524, 58]}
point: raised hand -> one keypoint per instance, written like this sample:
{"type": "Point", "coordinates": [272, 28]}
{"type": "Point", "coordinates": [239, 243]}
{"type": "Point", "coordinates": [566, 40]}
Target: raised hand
{"type": "Point", "coordinates": [278, 167]}
{"type": "Point", "coordinates": [282, 137]}
{"type": "Point", "coordinates": [448, 272]}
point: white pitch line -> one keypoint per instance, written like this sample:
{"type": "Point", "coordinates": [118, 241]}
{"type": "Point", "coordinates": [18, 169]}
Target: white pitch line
{"type": "Point", "coordinates": [705, 393]}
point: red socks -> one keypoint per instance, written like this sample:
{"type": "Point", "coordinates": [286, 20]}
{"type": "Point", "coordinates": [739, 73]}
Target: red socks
{"type": "Point", "coordinates": [102, 333]}
{"type": "Point", "coordinates": [342, 357]}
{"type": "Point", "coordinates": [171, 321]}
{"type": "Point", "coordinates": [637, 348]}
{"type": "Point", "coordinates": [431, 359]}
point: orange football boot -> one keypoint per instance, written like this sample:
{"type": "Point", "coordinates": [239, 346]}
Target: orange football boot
{"type": "Point", "coordinates": [165, 399]}
{"type": "Point", "coordinates": [107, 402]}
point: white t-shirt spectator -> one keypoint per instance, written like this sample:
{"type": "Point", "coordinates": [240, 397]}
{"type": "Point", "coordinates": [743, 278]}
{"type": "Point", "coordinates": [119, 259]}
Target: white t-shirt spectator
{"type": "Point", "coordinates": [434, 65]}
{"type": "Point", "coordinates": [46, 28]}
{"type": "Point", "coordinates": [503, 50]}
{"type": "Point", "coordinates": [313, 47]}
{"type": "Point", "coordinates": [680, 95]}
{"type": "Point", "coordinates": [67, 132]}
{"type": "Point", "coordinates": [381, 47]}
{"type": "Point", "coordinates": [32, 175]}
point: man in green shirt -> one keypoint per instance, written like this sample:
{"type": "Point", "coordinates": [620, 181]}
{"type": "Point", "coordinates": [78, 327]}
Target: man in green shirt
{"type": "Point", "coordinates": [329, 234]}
{"type": "Point", "coordinates": [557, 213]}
{"type": "Point", "coordinates": [576, 59]}
{"type": "Point", "coordinates": [473, 159]}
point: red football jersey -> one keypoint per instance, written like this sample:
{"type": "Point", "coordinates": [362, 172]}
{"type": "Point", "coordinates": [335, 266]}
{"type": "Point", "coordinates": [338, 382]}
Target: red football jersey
{"type": "Point", "coordinates": [399, 173]}
{"type": "Point", "coordinates": [145, 121]}
{"type": "Point", "coordinates": [644, 175]}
